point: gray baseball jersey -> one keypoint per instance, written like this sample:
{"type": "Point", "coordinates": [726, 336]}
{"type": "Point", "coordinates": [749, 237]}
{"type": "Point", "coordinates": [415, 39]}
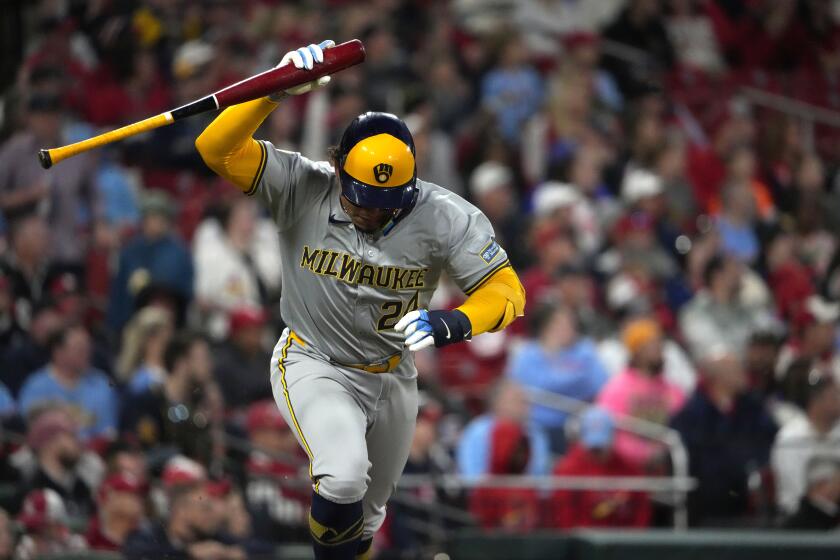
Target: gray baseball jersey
{"type": "Point", "coordinates": [344, 290]}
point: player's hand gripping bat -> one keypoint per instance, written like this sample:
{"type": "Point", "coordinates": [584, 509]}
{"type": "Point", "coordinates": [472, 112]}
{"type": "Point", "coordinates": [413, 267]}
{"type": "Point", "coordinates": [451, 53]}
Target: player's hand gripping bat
{"type": "Point", "coordinates": [336, 58]}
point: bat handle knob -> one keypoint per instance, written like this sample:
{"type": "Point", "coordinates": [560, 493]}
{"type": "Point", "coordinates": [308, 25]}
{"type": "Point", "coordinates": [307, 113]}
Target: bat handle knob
{"type": "Point", "coordinates": [45, 159]}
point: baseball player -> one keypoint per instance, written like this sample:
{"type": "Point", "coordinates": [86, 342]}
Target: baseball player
{"type": "Point", "coordinates": [363, 244]}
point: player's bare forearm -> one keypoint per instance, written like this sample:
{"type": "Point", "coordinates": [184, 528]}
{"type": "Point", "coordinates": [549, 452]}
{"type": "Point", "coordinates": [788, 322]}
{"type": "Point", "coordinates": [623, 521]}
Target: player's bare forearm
{"type": "Point", "coordinates": [227, 144]}
{"type": "Point", "coordinates": [495, 304]}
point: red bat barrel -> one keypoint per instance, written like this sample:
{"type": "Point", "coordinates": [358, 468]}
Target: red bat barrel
{"type": "Point", "coordinates": [337, 58]}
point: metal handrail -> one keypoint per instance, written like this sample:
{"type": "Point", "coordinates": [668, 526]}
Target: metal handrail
{"type": "Point", "coordinates": [794, 107]}
{"type": "Point", "coordinates": [554, 482]}
{"type": "Point", "coordinates": [649, 430]}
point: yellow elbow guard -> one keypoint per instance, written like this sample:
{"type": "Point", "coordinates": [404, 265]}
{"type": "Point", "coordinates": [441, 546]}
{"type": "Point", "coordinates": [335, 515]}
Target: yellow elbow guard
{"type": "Point", "coordinates": [496, 304]}
{"type": "Point", "coordinates": [227, 147]}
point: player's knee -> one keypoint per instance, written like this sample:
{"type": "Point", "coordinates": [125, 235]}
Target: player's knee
{"type": "Point", "coordinates": [348, 482]}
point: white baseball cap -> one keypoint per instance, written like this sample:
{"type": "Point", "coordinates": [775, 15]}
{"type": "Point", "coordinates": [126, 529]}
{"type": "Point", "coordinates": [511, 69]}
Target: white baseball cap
{"type": "Point", "coordinates": [488, 177]}
{"type": "Point", "coordinates": [639, 184]}
{"type": "Point", "coordinates": [554, 195]}
{"type": "Point", "coordinates": [190, 57]}
{"type": "Point", "coordinates": [823, 311]}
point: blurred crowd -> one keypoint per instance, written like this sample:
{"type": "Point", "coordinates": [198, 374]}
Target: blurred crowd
{"type": "Point", "coordinates": [676, 237]}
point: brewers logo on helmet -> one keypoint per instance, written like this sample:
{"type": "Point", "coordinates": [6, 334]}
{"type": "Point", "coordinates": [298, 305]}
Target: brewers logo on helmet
{"type": "Point", "coordinates": [376, 164]}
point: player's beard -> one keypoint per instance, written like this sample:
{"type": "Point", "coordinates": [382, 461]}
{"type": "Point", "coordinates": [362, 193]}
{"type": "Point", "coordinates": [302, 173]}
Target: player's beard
{"type": "Point", "coordinates": [362, 219]}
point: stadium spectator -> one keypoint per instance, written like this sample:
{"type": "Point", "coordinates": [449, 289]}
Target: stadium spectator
{"type": "Point", "coordinates": [555, 135]}
{"type": "Point", "coordinates": [226, 518]}
{"type": "Point", "coordinates": [637, 249]}
{"type": "Point", "coordinates": [45, 522]}
{"type": "Point", "coordinates": [732, 127]}
{"type": "Point", "coordinates": [140, 363]}
{"type": "Point", "coordinates": [816, 432]}
{"type": "Point", "coordinates": [509, 403]}
{"type": "Point", "coordinates": [69, 378]}
{"type": "Point", "coordinates": [195, 70]}
{"type": "Point", "coordinates": [512, 89]}
{"type": "Point", "coordinates": [736, 224]}
{"type": "Point", "coordinates": [728, 434]}
{"type": "Point", "coordinates": [492, 190]}
{"type": "Point", "coordinates": [27, 266]}
{"type": "Point", "coordinates": [716, 316]}
{"type": "Point", "coordinates": [29, 352]}
{"type": "Point", "coordinates": [120, 510]}
{"type": "Point", "coordinates": [644, 191]}
{"type": "Point", "coordinates": [598, 205]}
{"type": "Point", "coordinates": [557, 360]}
{"type": "Point", "coordinates": [640, 26]}
{"type": "Point", "coordinates": [790, 279]}
{"type": "Point", "coordinates": [240, 360]}
{"type": "Point", "coordinates": [678, 369]}
{"type": "Point", "coordinates": [743, 198]}
{"type": "Point", "coordinates": [760, 358]}
{"type": "Point", "coordinates": [553, 248]}
{"type": "Point", "coordinates": [276, 484]}
{"type": "Point", "coordinates": [153, 266]}
{"type": "Point", "coordinates": [593, 454]}
{"type": "Point", "coordinates": [236, 263]}
{"type": "Point", "coordinates": [819, 508]}
{"type": "Point", "coordinates": [388, 67]}
{"type": "Point", "coordinates": [435, 153]}
{"type": "Point", "coordinates": [641, 392]}
{"type": "Point", "coordinates": [509, 509]}
{"type": "Point", "coordinates": [671, 167]}
{"type": "Point", "coordinates": [693, 35]}
{"type": "Point", "coordinates": [809, 194]}
{"type": "Point", "coordinates": [188, 532]}
{"type": "Point", "coordinates": [67, 199]}
{"type": "Point", "coordinates": [185, 410]}
{"type": "Point", "coordinates": [563, 205]}
{"type": "Point", "coordinates": [813, 337]}
{"type": "Point", "coordinates": [52, 438]}
{"type": "Point", "coordinates": [574, 287]}
{"type": "Point", "coordinates": [122, 457]}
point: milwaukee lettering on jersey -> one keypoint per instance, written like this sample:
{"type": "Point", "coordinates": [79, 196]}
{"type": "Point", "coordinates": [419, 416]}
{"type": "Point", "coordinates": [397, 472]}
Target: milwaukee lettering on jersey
{"type": "Point", "coordinates": [346, 268]}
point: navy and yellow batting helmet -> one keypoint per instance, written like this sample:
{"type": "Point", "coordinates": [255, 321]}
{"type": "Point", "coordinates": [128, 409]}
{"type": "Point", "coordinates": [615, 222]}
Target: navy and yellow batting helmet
{"type": "Point", "coordinates": [376, 164]}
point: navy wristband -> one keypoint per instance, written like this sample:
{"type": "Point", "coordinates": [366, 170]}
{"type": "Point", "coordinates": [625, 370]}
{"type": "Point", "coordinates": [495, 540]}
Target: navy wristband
{"type": "Point", "coordinates": [449, 327]}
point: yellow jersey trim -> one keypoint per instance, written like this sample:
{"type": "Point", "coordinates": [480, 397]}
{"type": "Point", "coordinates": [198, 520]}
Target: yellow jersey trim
{"type": "Point", "coordinates": [292, 337]}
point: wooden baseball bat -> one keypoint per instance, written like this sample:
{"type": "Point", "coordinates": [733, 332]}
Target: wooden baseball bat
{"type": "Point", "coordinates": [336, 58]}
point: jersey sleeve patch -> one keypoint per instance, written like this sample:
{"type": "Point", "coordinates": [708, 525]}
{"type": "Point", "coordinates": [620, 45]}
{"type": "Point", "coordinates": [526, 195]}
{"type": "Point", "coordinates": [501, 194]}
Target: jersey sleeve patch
{"type": "Point", "coordinates": [490, 251]}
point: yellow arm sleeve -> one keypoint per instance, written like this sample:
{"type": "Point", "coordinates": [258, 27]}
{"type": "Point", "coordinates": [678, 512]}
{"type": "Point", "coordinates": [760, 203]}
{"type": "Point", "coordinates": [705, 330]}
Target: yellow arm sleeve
{"type": "Point", "coordinates": [227, 146]}
{"type": "Point", "coordinates": [495, 304]}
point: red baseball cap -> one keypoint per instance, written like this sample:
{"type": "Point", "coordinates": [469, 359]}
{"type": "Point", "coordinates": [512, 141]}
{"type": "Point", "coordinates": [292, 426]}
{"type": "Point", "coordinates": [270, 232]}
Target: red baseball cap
{"type": "Point", "coordinates": [264, 415]}
{"type": "Point", "coordinates": [577, 39]}
{"type": "Point", "coordinates": [181, 470]}
{"type": "Point", "coordinates": [121, 482]}
{"type": "Point", "coordinates": [42, 507]}
{"type": "Point", "coordinates": [245, 317]}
